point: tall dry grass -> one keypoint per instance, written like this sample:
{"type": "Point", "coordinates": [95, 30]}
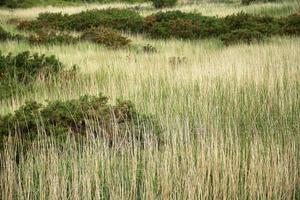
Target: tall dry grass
{"type": "Point", "coordinates": [230, 119]}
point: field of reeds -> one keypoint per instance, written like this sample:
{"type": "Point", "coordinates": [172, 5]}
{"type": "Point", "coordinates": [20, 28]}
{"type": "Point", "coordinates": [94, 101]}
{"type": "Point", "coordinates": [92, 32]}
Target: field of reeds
{"type": "Point", "coordinates": [228, 115]}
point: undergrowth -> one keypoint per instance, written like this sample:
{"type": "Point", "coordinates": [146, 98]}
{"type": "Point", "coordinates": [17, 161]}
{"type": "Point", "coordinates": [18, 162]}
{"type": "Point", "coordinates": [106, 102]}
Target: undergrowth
{"type": "Point", "coordinates": [88, 116]}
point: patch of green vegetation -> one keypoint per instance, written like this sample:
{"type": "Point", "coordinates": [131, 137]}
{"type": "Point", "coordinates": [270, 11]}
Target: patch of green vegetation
{"type": "Point", "coordinates": [87, 116]}
{"type": "Point", "coordinates": [5, 35]}
{"type": "Point", "coordinates": [32, 3]}
{"type": "Point", "coordinates": [163, 3]}
{"type": "Point", "coordinates": [241, 36]}
{"type": "Point", "coordinates": [170, 24]}
{"type": "Point", "coordinates": [119, 19]}
{"type": "Point", "coordinates": [19, 72]}
{"type": "Point", "coordinates": [52, 37]}
{"type": "Point", "coordinates": [106, 37]}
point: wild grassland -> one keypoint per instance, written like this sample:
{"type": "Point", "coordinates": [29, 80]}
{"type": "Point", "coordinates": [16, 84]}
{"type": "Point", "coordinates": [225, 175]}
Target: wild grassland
{"type": "Point", "coordinates": [230, 119]}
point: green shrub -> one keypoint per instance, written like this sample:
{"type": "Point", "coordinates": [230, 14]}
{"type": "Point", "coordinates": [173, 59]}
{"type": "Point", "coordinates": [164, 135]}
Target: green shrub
{"type": "Point", "coordinates": [241, 36]}
{"type": "Point", "coordinates": [247, 2]}
{"type": "Point", "coordinates": [163, 3]}
{"type": "Point", "coordinates": [87, 115]}
{"type": "Point", "coordinates": [4, 35]}
{"type": "Point", "coordinates": [18, 72]}
{"type": "Point", "coordinates": [291, 25]}
{"type": "Point", "coordinates": [119, 19]}
{"type": "Point", "coordinates": [182, 25]}
{"type": "Point", "coordinates": [52, 37]}
{"type": "Point", "coordinates": [263, 24]}
{"type": "Point", "coordinates": [106, 37]}
{"type": "Point", "coordinates": [168, 24]}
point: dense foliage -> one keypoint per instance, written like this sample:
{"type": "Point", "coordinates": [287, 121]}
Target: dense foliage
{"type": "Point", "coordinates": [181, 25]}
{"type": "Point", "coordinates": [18, 72]}
{"type": "Point", "coordinates": [241, 36]}
{"type": "Point", "coordinates": [119, 19]}
{"type": "Point", "coordinates": [4, 35]}
{"type": "Point", "coordinates": [86, 116]}
{"type": "Point", "coordinates": [234, 27]}
{"type": "Point", "coordinates": [171, 24]}
{"type": "Point", "coordinates": [32, 3]}
{"type": "Point", "coordinates": [106, 36]}
{"type": "Point", "coordinates": [163, 3]}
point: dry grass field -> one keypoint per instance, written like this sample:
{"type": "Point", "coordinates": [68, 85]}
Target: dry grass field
{"type": "Point", "coordinates": [230, 117]}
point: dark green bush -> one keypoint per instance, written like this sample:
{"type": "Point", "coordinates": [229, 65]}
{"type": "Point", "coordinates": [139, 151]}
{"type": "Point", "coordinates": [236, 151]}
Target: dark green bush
{"type": "Point", "coordinates": [163, 3]}
{"type": "Point", "coordinates": [119, 19]}
{"type": "Point", "coordinates": [52, 37]}
{"type": "Point", "coordinates": [263, 24]}
{"type": "Point", "coordinates": [291, 25]}
{"type": "Point", "coordinates": [86, 116]}
{"type": "Point", "coordinates": [168, 24]}
{"type": "Point", "coordinates": [182, 25]}
{"type": "Point", "coordinates": [247, 2]}
{"type": "Point", "coordinates": [4, 35]}
{"type": "Point", "coordinates": [106, 37]}
{"type": "Point", "coordinates": [39, 3]}
{"type": "Point", "coordinates": [18, 72]}
{"type": "Point", "coordinates": [241, 36]}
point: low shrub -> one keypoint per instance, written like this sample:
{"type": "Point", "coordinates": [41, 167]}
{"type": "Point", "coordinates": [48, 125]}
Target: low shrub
{"type": "Point", "coordinates": [291, 25]}
{"type": "Point", "coordinates": [182, 25]}
{"type": "Point", "coordinates": [106, 37]}
{"type": "Point", "coordinates": [18, 72]}
{"type": "Point", "coordinates": [241, 36]}
{"type": "Point", "coordinates": [246, 2]}
{"type": "Point", "coordinates": [86, 116]}
{"type": "Point", "coordinates": [170, 24]}
{"type": "Point", "coordinates": [4, 35]}
{"type": "Point", "coordinates": [163, 3]}
{"type": "Point", "coordinates": [52, 37]}
{"type": "Point", "coordinates": [264, 24]}
{"type": "Point", "coordinates": [119, 19]}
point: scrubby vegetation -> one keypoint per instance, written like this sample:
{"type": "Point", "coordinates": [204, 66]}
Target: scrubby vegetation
{"type": "Point", "coordinates": [4, 35]}
{"type": "Point", "coordinates": [163, 3]}
{"type": "Point", "coordinates": [105, 36]}
{"type": "Point", "coordinates": [170, 24]}
{"type": "Point", "coordinates": [32, 3]}
{"type": "Point", "coordinates": [208, 121]}
{"type": "Point", "coordinates": [52, 37]}
{"type": "Point", "coordinates": [242, 36]}
{"type": "Point", "coordinates": [18, 72]}
{"type": "Point", "coordinates": [89, 116]}
{"type": "Point", "coordinates": [192, 25]}
{"type": "Point", "coordinates": [119, 19]}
